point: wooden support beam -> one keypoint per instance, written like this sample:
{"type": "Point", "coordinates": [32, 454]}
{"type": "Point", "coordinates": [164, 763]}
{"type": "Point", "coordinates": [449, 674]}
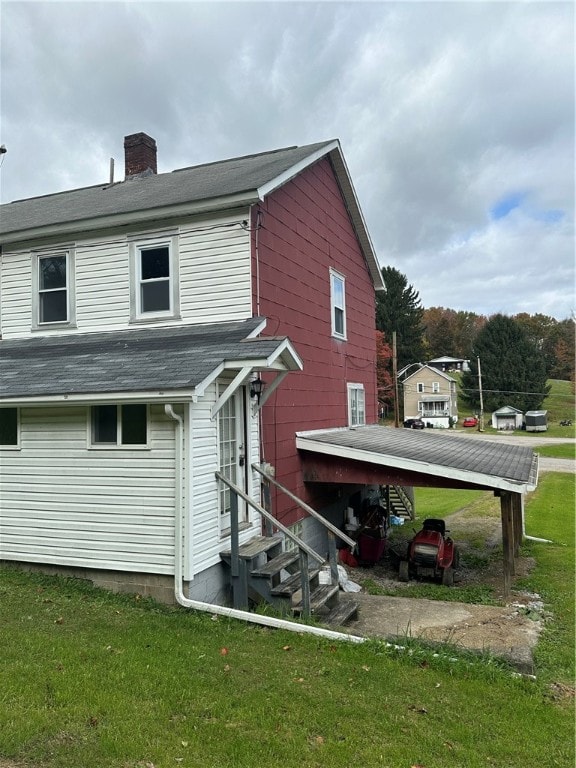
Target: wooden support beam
{"type": "Point", "coordinates": [507, 540]}
{"type": "Point", "coordinates": [517, 504]}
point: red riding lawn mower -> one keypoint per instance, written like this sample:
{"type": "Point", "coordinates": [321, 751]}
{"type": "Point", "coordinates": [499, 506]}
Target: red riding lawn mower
{"type": "Point", "coordinates": [431, 553]}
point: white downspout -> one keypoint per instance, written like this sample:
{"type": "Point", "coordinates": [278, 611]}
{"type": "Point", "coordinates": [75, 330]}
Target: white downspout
{"type": "Point", "coordinates": [221, 610]}
{"type": "Point", "coordinates": [531, 538]}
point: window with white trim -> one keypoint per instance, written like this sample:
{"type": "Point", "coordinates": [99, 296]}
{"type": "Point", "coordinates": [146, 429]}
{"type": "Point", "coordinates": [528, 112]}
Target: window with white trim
{"type": "Point", "coordinates": [356, 405]}
{"type": "Point", "coordinates": [9, 428]}
{"type": "Point", "coordinates": [420, 387]}
{"type": "Point", "coordinates": [119, 425]}
{"type": "Point", "coordinates": [436, 386]}
{"type": "Point", "coordinates": [155, 283]}
{"type": "Point", "coordinates": [338, 304]}
{"type": "Point", "coordinates": [53, 287]}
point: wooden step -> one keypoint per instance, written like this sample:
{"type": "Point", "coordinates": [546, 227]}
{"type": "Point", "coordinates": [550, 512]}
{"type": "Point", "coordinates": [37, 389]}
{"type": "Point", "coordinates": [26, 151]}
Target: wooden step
{"type": "Point", "coordinates": [293, 583]}
{"type": "Point", "coordinates": [256, 546]}
{"type": "Point", "coordinates": [277, 564]}
{"type": "Point", "coordinates": [341, 613]}
{"type": "Point", "coordinates": [318, 598]}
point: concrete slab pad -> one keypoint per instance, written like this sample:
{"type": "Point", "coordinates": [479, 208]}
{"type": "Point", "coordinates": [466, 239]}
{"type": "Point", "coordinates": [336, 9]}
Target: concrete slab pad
{"type": "Point", "coordinates": [504, 631]}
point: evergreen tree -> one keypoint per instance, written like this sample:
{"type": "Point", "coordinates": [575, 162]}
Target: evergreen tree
{"type": "Point", "coordinates": [512, 367]}
{"type": "Point", "coordinates": [398, 308]}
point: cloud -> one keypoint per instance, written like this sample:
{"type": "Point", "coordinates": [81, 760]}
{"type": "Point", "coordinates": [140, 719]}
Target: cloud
{"type": "Point", "coordinates": [445, 112]}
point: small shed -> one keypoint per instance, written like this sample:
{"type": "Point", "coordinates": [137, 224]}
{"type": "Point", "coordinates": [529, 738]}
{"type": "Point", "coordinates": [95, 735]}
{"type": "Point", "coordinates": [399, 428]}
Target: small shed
{"type": "Point", "coordinates": [507, 417]}
{"type": "Point", "coordinates": [536, 421]}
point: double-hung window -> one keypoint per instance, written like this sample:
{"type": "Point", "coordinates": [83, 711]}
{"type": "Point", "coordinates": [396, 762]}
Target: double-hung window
{"type": "Point", "coordinates": [9, 428]}
{"type": "Point", "coordinates": [119, 425]}
{"type": "Point", "coordinates": [155, 282]}
{"type": "Point", "coordinates": [356, 405]}
{"type": "Point", "coordinates": [338, 304]}
{"type": "Point", "coordinates": [53, 289]}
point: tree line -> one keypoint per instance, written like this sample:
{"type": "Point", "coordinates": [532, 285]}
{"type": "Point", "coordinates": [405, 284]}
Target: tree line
{"type": "Point", "coordinates": [518, 353]}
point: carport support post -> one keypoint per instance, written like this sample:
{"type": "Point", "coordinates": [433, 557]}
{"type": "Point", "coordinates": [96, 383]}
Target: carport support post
{"type": "Point", "coordinates": [508, 545]}
{"type": "Point", "coordinates": [517, 515]}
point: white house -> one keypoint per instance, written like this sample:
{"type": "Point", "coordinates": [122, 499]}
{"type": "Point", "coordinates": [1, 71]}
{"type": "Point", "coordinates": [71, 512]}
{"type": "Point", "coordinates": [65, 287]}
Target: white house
{"type": "Point", "coordinates": [507, 417]}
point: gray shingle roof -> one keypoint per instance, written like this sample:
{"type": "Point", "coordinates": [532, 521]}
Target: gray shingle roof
{"type": "Point", "coordinates": [202, 182]}
{"type": "Point", "coordinates": [436, 451]}
{"type": "Point", "coordinates": [151, 359]}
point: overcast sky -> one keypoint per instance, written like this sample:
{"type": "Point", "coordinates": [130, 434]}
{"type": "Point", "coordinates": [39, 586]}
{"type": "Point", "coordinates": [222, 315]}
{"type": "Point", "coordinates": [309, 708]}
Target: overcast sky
{"type": "Point", "coordinates": [456, 119]}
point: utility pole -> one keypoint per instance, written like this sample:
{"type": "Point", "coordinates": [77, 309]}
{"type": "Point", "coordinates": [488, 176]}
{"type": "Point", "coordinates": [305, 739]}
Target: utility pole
{"type": "Point", "coordinates": [395, 375]}
{"type": "Point", "coordinates": [481, 420]}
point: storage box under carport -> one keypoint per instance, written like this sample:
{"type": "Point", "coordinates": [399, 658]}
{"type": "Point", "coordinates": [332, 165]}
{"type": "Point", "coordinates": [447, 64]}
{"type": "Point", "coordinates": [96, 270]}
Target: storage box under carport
{"type": "Point", "coordinates": [536, 421]}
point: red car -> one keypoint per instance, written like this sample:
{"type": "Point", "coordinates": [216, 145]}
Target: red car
{"type": "Point", "coordinates": [470, 421]}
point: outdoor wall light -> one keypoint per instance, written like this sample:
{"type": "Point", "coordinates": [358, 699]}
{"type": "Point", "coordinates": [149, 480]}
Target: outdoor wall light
{"type": "Point", "coordinates": [256, 388]}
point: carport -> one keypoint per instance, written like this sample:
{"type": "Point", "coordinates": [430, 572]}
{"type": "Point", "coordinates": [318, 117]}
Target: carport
{"type": "Point", "coordinates": [375, 455]}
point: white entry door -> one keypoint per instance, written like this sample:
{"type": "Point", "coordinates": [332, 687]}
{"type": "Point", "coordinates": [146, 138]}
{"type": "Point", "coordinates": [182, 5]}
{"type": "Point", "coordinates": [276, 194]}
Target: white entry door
{"type": "Point", "coordinates": [232, 448]}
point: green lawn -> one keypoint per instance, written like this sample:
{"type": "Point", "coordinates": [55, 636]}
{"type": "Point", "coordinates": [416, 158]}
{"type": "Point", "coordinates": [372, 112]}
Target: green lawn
{"type": "Point", "coordinates": [93, 680]}
{"type": "Point", "coordinates": [557, 451]}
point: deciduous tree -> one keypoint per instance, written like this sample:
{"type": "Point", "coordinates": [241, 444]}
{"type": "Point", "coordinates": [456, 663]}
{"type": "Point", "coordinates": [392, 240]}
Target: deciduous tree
{"type": "Point", "coordinates": [384, 380]}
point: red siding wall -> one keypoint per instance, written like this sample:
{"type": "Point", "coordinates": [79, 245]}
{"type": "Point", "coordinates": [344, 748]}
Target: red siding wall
{"type": "Point", "coordinates": [306, 231]}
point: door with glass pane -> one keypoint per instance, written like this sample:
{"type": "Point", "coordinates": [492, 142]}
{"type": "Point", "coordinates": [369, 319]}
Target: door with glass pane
{"type": "Point", "coordinates": [231, 436]}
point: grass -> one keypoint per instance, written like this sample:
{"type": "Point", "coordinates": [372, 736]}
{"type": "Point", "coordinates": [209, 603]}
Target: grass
{"type": "Point", "coordinates": [550, 515]}
{"type": "Point", "coordinates": [108, 681]}
{"type": "Point", "coordinates": [557, 451]}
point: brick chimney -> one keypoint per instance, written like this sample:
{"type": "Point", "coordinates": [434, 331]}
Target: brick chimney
{"type": "Point", "coordinates": [139, 155]}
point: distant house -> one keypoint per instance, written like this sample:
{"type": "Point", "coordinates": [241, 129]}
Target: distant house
{"type": "Point", "coordinates": [446, 363]}
{"type": "Point", "coordinates": [430, 394]}
{"type": "Point", "coordinates": [507, 417]}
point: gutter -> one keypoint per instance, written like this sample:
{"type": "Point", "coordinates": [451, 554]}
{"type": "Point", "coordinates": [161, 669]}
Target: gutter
{"type": "Point", "coordinates": [221, 610]}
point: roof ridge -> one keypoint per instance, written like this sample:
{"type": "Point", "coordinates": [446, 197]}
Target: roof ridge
{"type": "Point", "coordinates": [102, 184]}
{"type": "Point", "coordinates": [246, 157]}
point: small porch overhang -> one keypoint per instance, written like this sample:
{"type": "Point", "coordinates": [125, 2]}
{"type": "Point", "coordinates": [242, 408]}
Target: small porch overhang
{"type": "Point", "coordinates": [167, 364]}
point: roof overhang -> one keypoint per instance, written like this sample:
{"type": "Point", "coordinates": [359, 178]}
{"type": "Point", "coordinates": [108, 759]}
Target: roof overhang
{"type": "Point", "coordinates": [63, 230]}
{"type": "Point", "coordinates": [383, 455]}
{"type": "Point", "coordinates": [126, 366]}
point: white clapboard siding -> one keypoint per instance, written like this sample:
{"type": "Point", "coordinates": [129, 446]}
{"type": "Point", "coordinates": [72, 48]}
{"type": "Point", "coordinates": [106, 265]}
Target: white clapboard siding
{"type": "Point", "coordinates": [16, 285]}
{"type": "Point", "coordinates": [214, 275]}
{"type": "Point", "coordinates": [102, 284]}
{"type": "Point", "coordinates": [205, 540]}
{"type": "Point", "coordinates": [215, 271]}
{"type": "Point", "coordinates": [87, 508]}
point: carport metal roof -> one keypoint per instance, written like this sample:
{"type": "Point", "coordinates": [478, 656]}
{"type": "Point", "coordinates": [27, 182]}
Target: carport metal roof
{"type": "Point", "coordinates": [375, 454]}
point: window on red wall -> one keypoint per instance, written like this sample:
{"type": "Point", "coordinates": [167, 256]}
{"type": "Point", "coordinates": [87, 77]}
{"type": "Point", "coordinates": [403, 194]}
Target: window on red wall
{"type": "Point", "coordinates": [356, 405]}
{"type": "Point", "coordinates": [338, 304]}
